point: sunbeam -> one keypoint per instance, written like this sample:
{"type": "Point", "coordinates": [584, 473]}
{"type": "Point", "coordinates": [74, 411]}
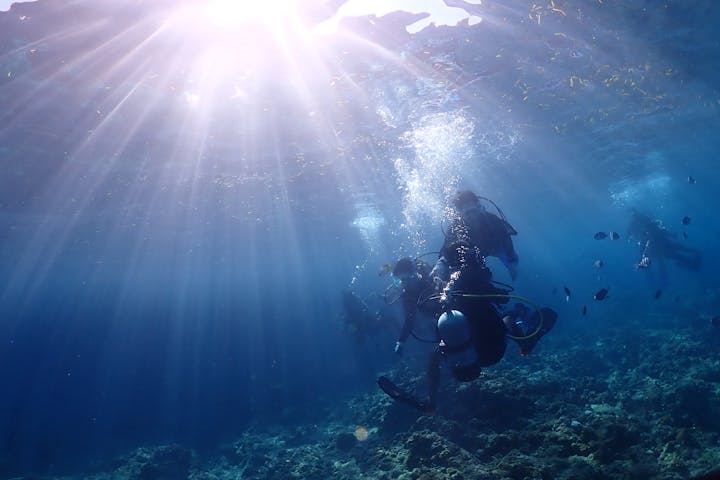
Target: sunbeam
{"type": "Point", "coordinates": [221, 220]}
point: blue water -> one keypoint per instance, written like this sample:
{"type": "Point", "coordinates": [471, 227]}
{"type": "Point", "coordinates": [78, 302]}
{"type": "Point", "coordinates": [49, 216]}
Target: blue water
{"type": "Point", "coordinates": [178, 218]}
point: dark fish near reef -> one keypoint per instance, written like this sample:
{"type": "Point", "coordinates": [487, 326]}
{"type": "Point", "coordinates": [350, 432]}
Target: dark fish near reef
{"type": "Point", "coordinates": [715, 321]}
{"type": "Point", "coordinates": [691, 180]}
{"type": "Point", "coordinates": [684, 235]}
{"type": "Point", "coordinates": [614, 235]}
{"type": "Point", "coordinates": [567, 294]}
{"type": "Point", "coordinates": [686, 220]}
{"type": "Point", "coordinates": [600, 235]}
{"type": "Point", "coordinates": [601, 294]}
{"type": "Point", "coordinates": [657, 294]}
{"type": "Point", "coordinates": [584, 309]}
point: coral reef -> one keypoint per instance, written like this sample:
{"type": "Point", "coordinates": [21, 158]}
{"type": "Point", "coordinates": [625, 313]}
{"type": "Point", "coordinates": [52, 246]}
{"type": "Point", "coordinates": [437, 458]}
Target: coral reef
{"type": "Point", "coordinates": [620, 406]}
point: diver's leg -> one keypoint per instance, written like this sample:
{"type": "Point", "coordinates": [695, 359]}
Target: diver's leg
{"type": "Point", "coordinates": [433, 377]}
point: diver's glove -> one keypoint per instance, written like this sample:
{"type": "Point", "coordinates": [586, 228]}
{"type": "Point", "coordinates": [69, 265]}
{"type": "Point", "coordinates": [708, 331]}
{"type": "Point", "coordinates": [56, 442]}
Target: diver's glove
{"type": "Point", "coordinates": [398, 347]}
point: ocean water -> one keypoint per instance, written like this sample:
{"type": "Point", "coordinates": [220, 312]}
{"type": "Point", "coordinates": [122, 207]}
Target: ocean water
{"type": "Point", "coordinates": [183, 203]}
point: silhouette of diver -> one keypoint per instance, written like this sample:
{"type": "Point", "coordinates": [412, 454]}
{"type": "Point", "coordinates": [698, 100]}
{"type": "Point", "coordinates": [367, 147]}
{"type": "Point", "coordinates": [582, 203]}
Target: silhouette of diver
{"type": "Point", "coordinates": [658, 243]}
{"type": "Point", "coordinates": [359, 319]}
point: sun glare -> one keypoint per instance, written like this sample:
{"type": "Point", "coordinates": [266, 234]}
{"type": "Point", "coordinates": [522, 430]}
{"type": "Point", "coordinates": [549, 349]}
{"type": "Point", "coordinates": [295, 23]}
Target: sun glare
{"type": "Point", "coordinates": [232, 13]}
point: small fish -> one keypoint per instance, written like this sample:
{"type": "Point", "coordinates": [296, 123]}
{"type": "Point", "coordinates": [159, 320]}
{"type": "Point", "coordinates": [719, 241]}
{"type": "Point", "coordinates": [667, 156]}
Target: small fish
{"type": "Point", "coordinates": [658, 293]}
{"type": "Point", "coordinates": [691, 180]}
{"type": "Point", "coordinates": [584, 309]}
{"type": "Point", "coordinates": [385, 270]}
{"type": "Point", "coordinates": [715, 321]}
{"type": "Point", "coordinates": [598, 263]}
{"type": "Point", "coordinates": [601, 294]}
{"type": "Point", "coordinates": [567, 294]}
{"type": "Point", "coordinates": [614, 235]}
{"type": "Point", "coordinates": [684, 234]}
{"type": "Point", "coordinates": [686, 220]}
{"type": "Point", "coordinates": [600, 235]}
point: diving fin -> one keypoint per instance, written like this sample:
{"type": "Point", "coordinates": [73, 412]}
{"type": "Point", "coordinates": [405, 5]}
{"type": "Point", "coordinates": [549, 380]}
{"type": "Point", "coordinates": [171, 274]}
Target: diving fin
{"type": "Point", "coordinates": [396, 393]}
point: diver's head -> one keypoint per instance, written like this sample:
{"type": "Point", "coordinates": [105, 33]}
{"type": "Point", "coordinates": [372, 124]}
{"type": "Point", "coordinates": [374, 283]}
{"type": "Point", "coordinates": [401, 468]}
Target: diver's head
{"type": "Point", "coordinates": [456, 345]}
{"type": "Point", "coordinates": [466, 202]}
{"type": "Point", "coordinates": [404, 271]}
{"type": "Point", "coordinates": [404, 267]}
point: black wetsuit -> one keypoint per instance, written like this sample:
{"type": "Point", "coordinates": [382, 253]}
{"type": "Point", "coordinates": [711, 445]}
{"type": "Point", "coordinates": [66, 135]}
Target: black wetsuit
{"type": "Point", "coordinates": [485, 232]}
{"type": "Point", "coordinates": [487, 329]}
{"type": "Point", "coordinates": [414, 296]}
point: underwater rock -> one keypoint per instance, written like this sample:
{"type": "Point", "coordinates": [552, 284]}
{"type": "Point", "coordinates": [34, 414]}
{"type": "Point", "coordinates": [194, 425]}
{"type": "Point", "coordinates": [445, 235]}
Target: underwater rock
{"type": "Point", "coordinates": [615, 438]}
{"type": "Point", "coordinates": [585, 468]}
{"type": "Point", "coordinates": [694, 404]}
{"type": "Point", "coordinates": [304, 462]}
{"type": "Point", "coordinates": [425, 449]}
{"type": "Point", "coordinates": [597, 406]}
{"type": "Point", "coordinates": [345, 441]}
{"type": "Point", "coordinates": [166, 462]}
{"type": "Point", "coordinates": [428, 449]}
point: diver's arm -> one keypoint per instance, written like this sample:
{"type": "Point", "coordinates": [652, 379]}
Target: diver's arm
{"type": "Point", "coordinates": [511, 259]}
{"type": "Point", "coordinates": [508, 247]}
{"type": "Point", "coordinates": [511, 262]}
{"type": "Point", "coordinates": [410, 310]}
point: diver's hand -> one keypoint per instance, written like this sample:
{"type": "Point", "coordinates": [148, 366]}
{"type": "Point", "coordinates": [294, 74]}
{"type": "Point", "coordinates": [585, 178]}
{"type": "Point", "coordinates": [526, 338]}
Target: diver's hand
{"type": "Point", "coordinates": [398, 348]}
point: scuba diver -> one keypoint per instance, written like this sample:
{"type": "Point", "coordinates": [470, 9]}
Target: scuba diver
{"type": "Point", "coordinates": [472, 332]}
{"type": "Point", "coordinates": [657, 243]}
{"type": "Point", "coordinates": [490, 234]}
{"type": "Point", "coordinates": [413, 281]}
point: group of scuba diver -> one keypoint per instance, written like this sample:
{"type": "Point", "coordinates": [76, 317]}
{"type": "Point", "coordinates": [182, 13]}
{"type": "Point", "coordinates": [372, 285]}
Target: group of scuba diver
{"type": "Point", "coordinates": [474, 316]}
